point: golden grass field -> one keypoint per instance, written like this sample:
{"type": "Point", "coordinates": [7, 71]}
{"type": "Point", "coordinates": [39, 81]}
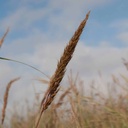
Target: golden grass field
{"type": "Point", "coordinates": [72, 108]}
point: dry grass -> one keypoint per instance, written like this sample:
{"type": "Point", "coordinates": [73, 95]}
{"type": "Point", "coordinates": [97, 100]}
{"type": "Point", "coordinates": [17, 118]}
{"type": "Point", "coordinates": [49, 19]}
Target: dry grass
{"type": "Point", "coordinates": [2, 39]}
{"type": "Point", "coordinates": [60, 71]}
{"type": "Point", "coordinates": [80, 110]}
{"type": "Point", "coordinates": [6, 98]}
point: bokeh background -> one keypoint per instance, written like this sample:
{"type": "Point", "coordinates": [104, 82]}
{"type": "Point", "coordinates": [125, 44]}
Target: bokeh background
{"type": "Point", "coordinates": [39, 31]}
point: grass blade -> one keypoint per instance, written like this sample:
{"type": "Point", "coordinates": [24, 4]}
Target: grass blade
{"type": "Point", "coordinates": [8, 59]}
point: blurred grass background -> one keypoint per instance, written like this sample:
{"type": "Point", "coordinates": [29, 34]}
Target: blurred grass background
{"type": "Point", "coordinates": [76, 107]}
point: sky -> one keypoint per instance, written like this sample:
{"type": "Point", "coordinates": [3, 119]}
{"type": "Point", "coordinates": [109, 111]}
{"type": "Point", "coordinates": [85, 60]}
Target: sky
{"type": "Point", "coordinates": [40, 29]}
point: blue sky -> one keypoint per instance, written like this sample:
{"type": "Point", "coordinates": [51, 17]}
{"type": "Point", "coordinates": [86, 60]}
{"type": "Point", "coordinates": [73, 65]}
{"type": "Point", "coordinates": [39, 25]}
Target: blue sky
{"type": "Point", "coordinates": [40, 29]}
{"type": "Point", "coordinates": [105, 19]}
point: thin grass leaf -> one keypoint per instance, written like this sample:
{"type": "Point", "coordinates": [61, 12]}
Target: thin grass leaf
{"type": "Point", "coordinates": [8, 59]}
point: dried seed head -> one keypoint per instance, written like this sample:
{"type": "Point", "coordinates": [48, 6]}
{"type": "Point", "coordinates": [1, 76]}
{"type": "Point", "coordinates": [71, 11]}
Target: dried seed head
{"type": "Point", "coordinates": [60, 70]}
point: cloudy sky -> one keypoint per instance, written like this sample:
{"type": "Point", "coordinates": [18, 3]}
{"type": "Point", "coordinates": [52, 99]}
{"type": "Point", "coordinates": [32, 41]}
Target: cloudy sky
{"type": "Point", "coordinates": [40, 29]}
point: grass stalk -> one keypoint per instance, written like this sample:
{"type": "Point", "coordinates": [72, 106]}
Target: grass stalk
{"type": "Point", "coordinates": [60, 70]}
{"type": "Point", "coordinates": [6, 98]}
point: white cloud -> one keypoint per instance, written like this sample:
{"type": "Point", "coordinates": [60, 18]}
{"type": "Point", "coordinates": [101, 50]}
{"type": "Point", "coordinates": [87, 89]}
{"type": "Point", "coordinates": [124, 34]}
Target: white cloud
{"type": "Point", "coordinates": [68, 13]}
{"type": "Point", "coordinates": [76, 4]}
{"type": "Point", "coordinates": [23, 18]}
{"type": "Point", "coordinates": [123, 37]}
{"type": "Point", "coordinates": [122, 30]}
{"type": "Point", "coordinates": [105, 44]}
{"type": "Point", "coordinates": [24, 45]}
{"type": "Point", "coordinates": [105, 59]}
{"type": "Point", "coordinates": [4, 70]}
{"type": "Point", "coordinates": [86, 60]}
{"type": "Point", "coordinates": [63, 14]}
